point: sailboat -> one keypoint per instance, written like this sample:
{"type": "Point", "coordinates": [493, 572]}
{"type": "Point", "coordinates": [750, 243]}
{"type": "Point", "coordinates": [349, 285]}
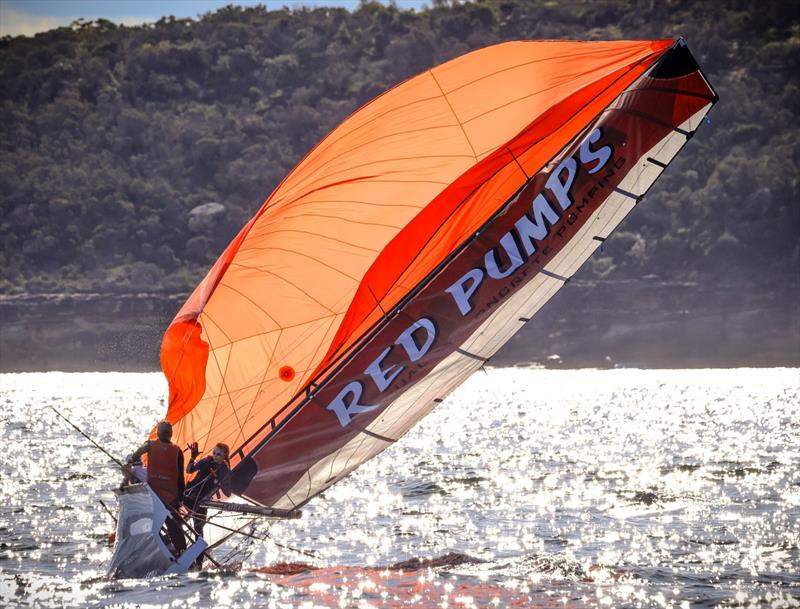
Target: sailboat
{"type": "Point", "coordinates": [408, 247]}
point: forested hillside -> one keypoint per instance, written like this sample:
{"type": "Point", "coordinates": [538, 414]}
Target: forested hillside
{"type": "Point", "coordinates": [131, 155]}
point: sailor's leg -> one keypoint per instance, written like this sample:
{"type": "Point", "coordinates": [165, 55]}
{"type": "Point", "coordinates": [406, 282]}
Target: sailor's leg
{"type": "Point", "coordinates": [200, 515]}
{"type": "Point", "coordinates": [176, 532]}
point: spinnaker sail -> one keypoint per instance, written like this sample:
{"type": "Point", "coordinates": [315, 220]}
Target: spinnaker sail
{"type": "Point", "coordinates": [405, 249]}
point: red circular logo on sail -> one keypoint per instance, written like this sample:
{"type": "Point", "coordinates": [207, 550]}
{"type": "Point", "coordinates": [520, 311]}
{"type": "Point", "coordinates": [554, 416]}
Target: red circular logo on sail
{"type": "Point", "coordinates": [286, 373]}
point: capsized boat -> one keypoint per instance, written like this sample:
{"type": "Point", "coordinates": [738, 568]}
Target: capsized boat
{"type": "Point", "coordinates": [410, 244]}
{"type": "Point", "coordinates": [141, 548]}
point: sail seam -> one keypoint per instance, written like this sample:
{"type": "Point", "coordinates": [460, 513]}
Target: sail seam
{"type": "Point", "coordinates": [656, 162]}
{"type": "Point", "coordinates": [224, 386]}
{"type": "Point", "coordinates": [260, 384]}
{"type": "Point", "coordinates": [455, 116]}
{"type": "Point", "coordinates": [275, 329]}
{"type": "Point", "coordinates": [322, 178]}
{"type": "Point", "coordinates": [283, 249]}
{"type": "Point", "coordinates": [305, 232]}
{"type": "Point", "coordinates": [250, 300]}
{"type": "Point", "coordinates": [348, 220]}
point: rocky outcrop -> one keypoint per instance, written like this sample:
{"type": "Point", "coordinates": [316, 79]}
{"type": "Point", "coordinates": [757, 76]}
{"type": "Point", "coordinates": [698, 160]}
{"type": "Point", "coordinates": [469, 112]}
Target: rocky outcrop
{"type": "Point", "coordinates": [206, 218]}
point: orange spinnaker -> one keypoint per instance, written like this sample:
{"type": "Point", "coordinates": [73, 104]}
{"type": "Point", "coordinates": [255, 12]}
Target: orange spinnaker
{"type": "Point", "coordinates": [369, 212]}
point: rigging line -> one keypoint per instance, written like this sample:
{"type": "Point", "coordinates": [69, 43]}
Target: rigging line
{"type": "Point", "coordinates": [85, 435]}
{"type": "Point", "coordinates": [308, 553]}
{"type": "Point", "coordinates": [330, 478]}
{"type": "Point", "coordinates": [265, 537]}
{"type": "Point", "coordinates": [108, 511]}
{"type": "Point", "coordinates": [239, 553]}
{"type": "Point", "coordinates": [350, 352]}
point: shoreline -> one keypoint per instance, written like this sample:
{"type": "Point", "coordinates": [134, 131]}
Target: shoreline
{"type": "Point", "coordinates": [644, 324]}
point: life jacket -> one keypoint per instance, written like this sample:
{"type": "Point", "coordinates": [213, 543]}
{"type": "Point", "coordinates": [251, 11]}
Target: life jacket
{"type": "Point", "coordinates": [162, 469]}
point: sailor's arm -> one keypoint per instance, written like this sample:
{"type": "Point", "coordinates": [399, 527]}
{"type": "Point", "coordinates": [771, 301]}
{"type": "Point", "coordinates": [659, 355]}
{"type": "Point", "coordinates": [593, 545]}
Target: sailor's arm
{"type": "Point", "coordinates": [192, 467]}
{"type": "Point", "coordinates": [139, 452]}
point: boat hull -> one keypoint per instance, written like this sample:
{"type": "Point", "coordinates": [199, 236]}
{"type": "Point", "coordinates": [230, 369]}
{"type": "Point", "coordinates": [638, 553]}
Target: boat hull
{"type": "Point", "coordinates": [140, 551]}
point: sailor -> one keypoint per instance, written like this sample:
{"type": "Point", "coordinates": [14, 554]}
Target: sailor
{"type": "Point", "coordinates": [213, 473]}
{"type": "Point", "coordinates": [165, 477]}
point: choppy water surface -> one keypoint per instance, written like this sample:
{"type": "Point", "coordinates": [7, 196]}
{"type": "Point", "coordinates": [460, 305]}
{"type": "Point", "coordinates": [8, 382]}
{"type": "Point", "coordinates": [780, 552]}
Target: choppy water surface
{"type": "Point", "coordinates": [526, 488]}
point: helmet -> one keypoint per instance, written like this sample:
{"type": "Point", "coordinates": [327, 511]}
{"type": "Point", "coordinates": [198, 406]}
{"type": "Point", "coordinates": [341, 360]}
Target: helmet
{"type": "Point", "coordinates": [164, 431]}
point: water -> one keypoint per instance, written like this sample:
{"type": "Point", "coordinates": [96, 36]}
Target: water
{"type": "Point", "coordinates": [526, 488]}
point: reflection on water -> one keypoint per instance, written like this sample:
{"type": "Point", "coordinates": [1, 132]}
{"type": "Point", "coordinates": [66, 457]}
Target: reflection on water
{"type": "Point", "coordinates": [526, 488]}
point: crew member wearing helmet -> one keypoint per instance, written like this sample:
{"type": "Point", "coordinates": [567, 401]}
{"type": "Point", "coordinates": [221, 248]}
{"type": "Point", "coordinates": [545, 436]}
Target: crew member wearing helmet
{"type": "Point", "coordinates": [165, 476]}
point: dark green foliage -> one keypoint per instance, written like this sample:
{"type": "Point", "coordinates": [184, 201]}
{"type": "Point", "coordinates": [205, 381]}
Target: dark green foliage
{"type": "Point", "coordinates": [111, 135]}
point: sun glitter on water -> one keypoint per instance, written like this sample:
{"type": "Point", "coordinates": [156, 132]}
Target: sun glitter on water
{"type": "Point", "coordinates": [525, 488]}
